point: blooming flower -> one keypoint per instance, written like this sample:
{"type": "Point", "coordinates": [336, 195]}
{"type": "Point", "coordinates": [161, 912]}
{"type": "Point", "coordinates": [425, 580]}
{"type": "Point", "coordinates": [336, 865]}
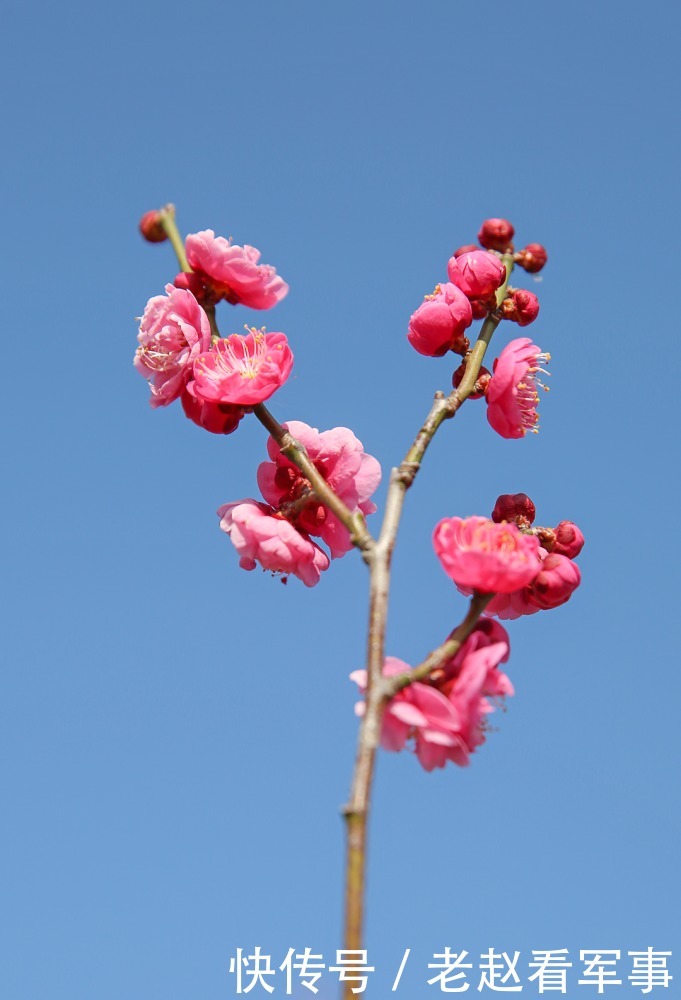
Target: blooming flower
{"type": "Point", "coordinates": [477, 274]}
{"type": "Point", "coordinates": [512, 391]}
{"type": "Point", "coordinates": [481, 555]}
{"type": "Point", "coordinates": [340, 458]}
{"type": "Point", "coordinates": [232, 272]}
{"type": "Point", "coordinates": [445, 716]}
{"type": "Point", "coordinates": [218, 418]}
{"type": "Point", "coordinates": [438, 324]}
{"type": "Point", "coordinates": [173, 331]}
{"type": "Point", "coordinates": [262, 536]}
{"type": "Point", "coordinates": [241, 370]}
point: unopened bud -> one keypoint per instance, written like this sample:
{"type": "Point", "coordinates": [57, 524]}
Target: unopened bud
{"type": "Point", "coordinates": [479, 308]}
{"type": "Point", "coordinates": [569, 540]}
{"type": "Point", "coordinates": [468, 248]}
{"type": "Point", "coordinates": [514, 507]}
{"type": "Point", "coordinates": [496, 234]}
{"type": "Point", "coordinates": [481, 384]}
{"type": "Point", "coordinates": [555, 583]}
{"type": "Point", "coordinates": [151, 228]}
{"type": "Point", "coordinates": [532, 257]}
{"type": "Point", "coordinates": [521, 306]}
{"type": "Point", "coordinates": [191, 282]}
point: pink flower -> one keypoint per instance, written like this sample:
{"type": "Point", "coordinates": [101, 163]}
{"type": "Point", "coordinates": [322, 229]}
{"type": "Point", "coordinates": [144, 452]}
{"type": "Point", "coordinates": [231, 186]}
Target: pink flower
{"type": "Point", "coordinates": [218, 418]}
{"type": "Point", "coordinates": [438, 324]}
{"type": "Point", "coordinates": [556, 582]}
{"type": "Point", "coordinates": [512, 391]}
{"type": "Point", "coordinates": [490, 558]}
{"type": "Point", "coordinates": [340, 458]}
{"type": "Point", "coordinates": [260, 535]}
{"type": "Point", "coordinates": [445, 716]}
{"type": "Point", "coordinates": [496, 234]}
{"type": "Point", "coordinates": [520, 306]}
{"type": "Point", "coordinates": [232, 272]}
{"type": "Point", "coordinates": [477, 274]}
{"type": "Point", "coordinates": [173, 331]}
{"type": "Point", "coordinates": [569, 540]}
{"type": "Point", "coordinates": [243, 371]}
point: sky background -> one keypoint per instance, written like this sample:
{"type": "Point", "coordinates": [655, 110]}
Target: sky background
{"type": "Point", "coordinates": [177, 735]}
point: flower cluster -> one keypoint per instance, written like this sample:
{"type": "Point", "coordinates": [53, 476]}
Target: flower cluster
{"type": "Point", "coordinates": [180, 353]}
{"type": "Point", "coordinates": [444, 717]}
{"type": "Point", "coordinates": [317, 486]}
{"type": "Point", "coordinates": [278, 534]}
{"type": "Point", "coordinates": [527, 569]}
{"type": "Point", "coordinates": [478, 289]}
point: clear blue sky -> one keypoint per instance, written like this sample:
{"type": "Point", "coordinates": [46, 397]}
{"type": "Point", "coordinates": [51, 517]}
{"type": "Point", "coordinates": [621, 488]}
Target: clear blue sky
{"type": "Point", "coordinates": [176, 735]}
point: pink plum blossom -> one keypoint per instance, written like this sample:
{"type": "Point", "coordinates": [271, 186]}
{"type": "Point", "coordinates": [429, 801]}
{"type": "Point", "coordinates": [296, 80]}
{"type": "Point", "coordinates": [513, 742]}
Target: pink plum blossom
{"type": "Point", "coordinates": [173, 331]}
{"type": "Point", "coordinates": [340, 458]}
{"type": "Point", "coordinates": [232, 272]}
{"type": "Point", "coordinates": [477, 274]}
{"type": "Point", "coordinates": [483, 556]}
{"type": "Point", "coordinates": [218, 418]}
{"type": "Point", "coordinates": [243, 371]}
{"type": "Point", "coordinates": [438, 324]}
{"type": "Point", "coordinates": [445, 715]}
{"type": "Point", "coordinates": [511, 394]}
{"type": "Point", "coordinates": [261, 535]}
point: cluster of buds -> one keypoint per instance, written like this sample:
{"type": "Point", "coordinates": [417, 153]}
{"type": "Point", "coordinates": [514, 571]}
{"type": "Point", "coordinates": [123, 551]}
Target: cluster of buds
{"type": "Point", "coordinates": [478, 289]}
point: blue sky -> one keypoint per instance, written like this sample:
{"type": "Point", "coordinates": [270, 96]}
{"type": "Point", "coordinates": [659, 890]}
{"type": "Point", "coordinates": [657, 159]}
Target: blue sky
{"type": "Point", "coordinates": [177, 735]}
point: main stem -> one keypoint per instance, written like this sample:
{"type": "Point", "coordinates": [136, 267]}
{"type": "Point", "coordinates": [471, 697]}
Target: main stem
{"type": "Point", "coordinates": [377, 692]}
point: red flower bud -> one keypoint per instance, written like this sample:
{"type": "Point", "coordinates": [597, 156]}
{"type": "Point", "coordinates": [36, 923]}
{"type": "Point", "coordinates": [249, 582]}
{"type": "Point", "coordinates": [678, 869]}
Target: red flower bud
{"type": "Point", "coordinates": [218, 418]}
{"type": "Point", "coordinates": [514, 507]}
{"type": "Point", "coordinates": [479, 308]}
{"type": "Point", "coordinates": [483, 378]}
{"type": "Point", "coordinates": [496, 234]}
{"type": "Point", "coordinates": [569, 540]}
{"type": "Point", "coordinates": [468, 248]}
{"type": "Point", "coordinates": [532, 257]}
{"type": "Point", "coordinates": [555, 583]}
{"type": "Point", "coordinates": [191, 281]}
{"type": "Point", "coordinates": [151, 228]}
{"type": "Point", "coordinates": [521, 306]}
